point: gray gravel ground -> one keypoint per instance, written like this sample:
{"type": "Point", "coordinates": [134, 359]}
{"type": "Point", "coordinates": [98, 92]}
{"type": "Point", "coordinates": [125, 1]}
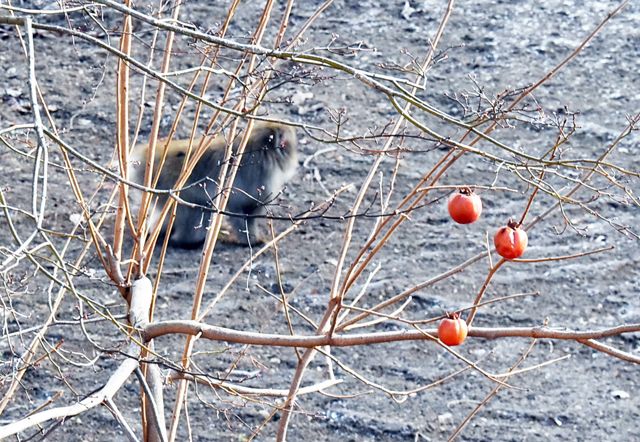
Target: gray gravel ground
{"type": "Point", "coordinates": [493, 45]}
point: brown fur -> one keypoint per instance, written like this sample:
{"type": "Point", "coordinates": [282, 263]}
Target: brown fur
{"type": "Point", "coordinates": [268, 162]}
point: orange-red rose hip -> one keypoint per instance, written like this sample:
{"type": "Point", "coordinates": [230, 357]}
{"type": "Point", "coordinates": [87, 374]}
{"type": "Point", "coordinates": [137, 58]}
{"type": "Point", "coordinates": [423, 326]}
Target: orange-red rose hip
{"type": "Point", "coordinates": [510, 241]}
{"type": "Point", "coordinates": [464, 206]}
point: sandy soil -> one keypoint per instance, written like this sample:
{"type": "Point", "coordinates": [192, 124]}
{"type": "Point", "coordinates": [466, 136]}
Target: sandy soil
{"type": "Point", "coordinates": [496, 45]}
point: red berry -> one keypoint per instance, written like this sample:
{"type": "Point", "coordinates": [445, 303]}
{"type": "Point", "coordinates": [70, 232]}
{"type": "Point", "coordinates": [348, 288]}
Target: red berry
{"type": "Point", "coordinates": [511, 241]}
{"type": "Point", "coordinates": [452, 331]}
{"type": "Point", "coordinates": [464, 206]}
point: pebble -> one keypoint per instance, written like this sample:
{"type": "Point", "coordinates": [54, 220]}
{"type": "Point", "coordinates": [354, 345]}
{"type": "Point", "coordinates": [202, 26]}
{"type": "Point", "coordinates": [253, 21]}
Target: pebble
{"type": "Point", "coordinates": [13, 92]}
{"type": "Point", "coordinates": [620, 394]}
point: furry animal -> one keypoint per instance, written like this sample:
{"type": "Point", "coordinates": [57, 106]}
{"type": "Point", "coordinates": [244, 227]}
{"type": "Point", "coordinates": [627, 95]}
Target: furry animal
{"type": "Point", "coordinates": [268, 162]}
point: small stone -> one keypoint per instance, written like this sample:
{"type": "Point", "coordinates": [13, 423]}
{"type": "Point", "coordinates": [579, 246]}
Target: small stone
{"type": "Point", "coordinates": [407, 10]}
{"type": "Point", "coordinates": [445, 419]}
{"type": "Point", "coordinates": [299, 97]}
{"type": "Point", "coordinates": [75, 218]}
{"type": "Point", "coordinates": [620, 394]}
{"type": "Point", "coordinates": [13, 92]}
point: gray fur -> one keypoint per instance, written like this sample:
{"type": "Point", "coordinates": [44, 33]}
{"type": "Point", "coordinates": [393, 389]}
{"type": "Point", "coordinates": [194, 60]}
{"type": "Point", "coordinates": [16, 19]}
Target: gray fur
{"type": "Point", "coordinates": [268, 162]}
